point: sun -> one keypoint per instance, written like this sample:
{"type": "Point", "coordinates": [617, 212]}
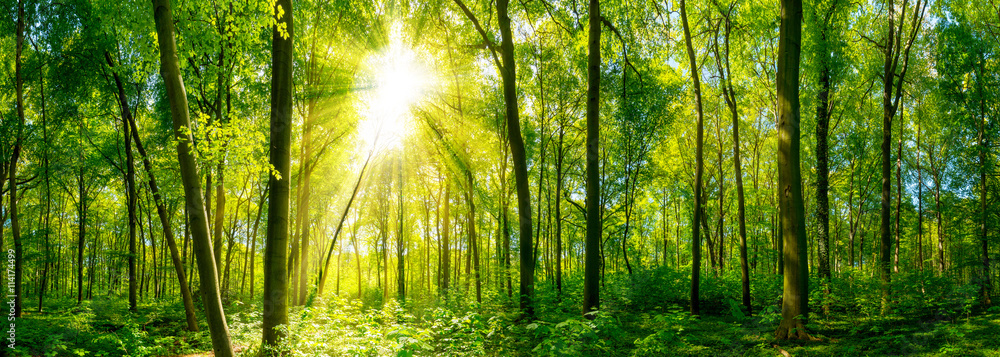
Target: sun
{"type": "Point", "coordinates": [398, 80]}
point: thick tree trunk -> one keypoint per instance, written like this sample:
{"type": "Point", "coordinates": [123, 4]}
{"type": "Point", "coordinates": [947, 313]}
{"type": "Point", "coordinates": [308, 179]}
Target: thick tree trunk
{"type": "Point", "coordinates": [795, 299]}
{"type": "Point", "coordinates": [699, 210]}
{"type": "Point", "coordinates": [592, 267]}
{"type": "Point", "coordinates": [198, 221]}
{"type": "Point", "coordinates": [275, 274]}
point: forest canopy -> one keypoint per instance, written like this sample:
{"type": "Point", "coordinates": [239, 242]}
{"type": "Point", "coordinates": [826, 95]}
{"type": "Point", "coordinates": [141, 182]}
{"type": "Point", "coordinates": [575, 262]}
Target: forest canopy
{"type": "Point", "coordinates": [472, 177]}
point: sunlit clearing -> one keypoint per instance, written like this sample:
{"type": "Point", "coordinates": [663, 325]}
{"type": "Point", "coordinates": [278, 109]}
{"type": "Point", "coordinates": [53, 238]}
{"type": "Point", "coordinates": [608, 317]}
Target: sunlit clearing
{"type": "Point", "coordinates": [398, 81]}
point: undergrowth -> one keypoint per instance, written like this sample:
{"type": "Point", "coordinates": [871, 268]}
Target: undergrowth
{"type": "Point", "coordinates": [642, 315]}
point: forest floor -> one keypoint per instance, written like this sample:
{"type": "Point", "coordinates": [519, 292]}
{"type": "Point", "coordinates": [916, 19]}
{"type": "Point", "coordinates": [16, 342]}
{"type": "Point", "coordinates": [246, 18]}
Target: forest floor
{"type": "Point", "coordinates": [105, 328]}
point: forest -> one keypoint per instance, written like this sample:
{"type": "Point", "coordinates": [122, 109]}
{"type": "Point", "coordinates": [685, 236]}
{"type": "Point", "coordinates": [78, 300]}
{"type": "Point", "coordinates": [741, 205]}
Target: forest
{"type": "Point", "coordinates": [500, 178]}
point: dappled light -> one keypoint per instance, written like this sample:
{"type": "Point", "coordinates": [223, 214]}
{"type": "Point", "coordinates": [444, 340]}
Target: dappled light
{"type": "Point", "coordinates": [502, 178]}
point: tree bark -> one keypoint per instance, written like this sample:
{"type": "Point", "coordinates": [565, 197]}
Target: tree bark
{"type": "Point", "coordinates": [82, 233]}
{"type": "Point", "coordinates": [729, 93]}
{"type": "Point", "coordinates": [517, 153]}
{"type": "Point", "coordinates": [130, 192]}
{"type": "Point", "coordinates": [473, 238]}
{"type": "Point", "coordinates": [198, 221]}
{"type": "Point", "coordinates": [823, 168]}
{"type": "Point", "coordinates": [795, 299]}
{"type": "Point", "coordinates": [15, 221]}
{"type": "Point", "coordinates": [591, 287]}
{"type": "Point", "coordinates": [445, 244]}
{"type": "Point", "coordinates": [275, 299]}
{"type": "Point", "coordinates": [699, 211]}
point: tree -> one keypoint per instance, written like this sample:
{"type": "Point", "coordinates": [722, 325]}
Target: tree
{"type": "Point", "coordinates": [795, 299]}
{"type": "Point", "coordinates": [591, 287]}
{"type": "Point", "coordinates": [275, 298]}
{"type": "Point", "coordinates": [15, 222]}
{"type": "Point", "coordinates": [825, 21]}
{"type": "Point", "coordinates": [729, 93]}
{"type": "Point", "coordinates": [508, 73]}
{"type": "Point", "coordinates": [699, 210]}
{"type": "Point", "coordinates": [130, 192]}
{"type": "Point", "coordinates": [195, 207]}
{"type": "Point", "coordinates": [895, 36]}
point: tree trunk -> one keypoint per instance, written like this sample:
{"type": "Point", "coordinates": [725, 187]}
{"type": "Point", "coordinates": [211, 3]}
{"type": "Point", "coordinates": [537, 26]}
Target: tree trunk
{"type": "Point", "coordinates": [699, 211]}
{"type": "Point", "coordinates": [899, 191]}
{"type": "Point", "coordinates": [400, 242]}
{"type": "Point", "coordinates": [275, 300]}
{"type": "Point", "coordinates": [82, 233]}
{"type": "Point", "coordinates": [559, 184]}
{"type": "Point", "coordinates": [983, 220]}
{"type": "Point", "coordinates": [795, 299]}
{"type": "Point", "coordinates": [730, 96]}
{"type": "Point", "coordinates": [168, 233]}
{"type": "Point", "coordinates": [321, 278]}
{"type": "Point", "coordinates": [473, 239]}
{"type": "Point", "coordinates": [823, 172]}
{"type": "Point", "coordinates": [48, 194]}
{"type": "Point", "coordinates": [516, 142]}
{"type": "Point", "coordinates": [920, 205]}
{"type": "Point", "coordinates": [592, 267]}
{"type": "Point", "coordinates": [130, 192]}
{"type": "Point", "coordinates": [445, 244]}
{"type": "Point", "coordinates": [15, 221]}
{"type": "Point", "coordinates": [198, 220]}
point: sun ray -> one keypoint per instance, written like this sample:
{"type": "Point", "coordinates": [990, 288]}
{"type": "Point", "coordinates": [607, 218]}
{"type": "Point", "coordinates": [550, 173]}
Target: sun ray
{"type": "Point", "coordinates": [398, 79]}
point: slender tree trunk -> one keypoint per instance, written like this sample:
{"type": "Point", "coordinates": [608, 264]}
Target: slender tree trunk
{"type": "Point", "coordinates": [400, 242]}
{"type": "Point", "coordinates": [592, 267]}
{"type": "Point", "coordinates": [936, 174]}
{"type": "Point", "coordinates": [823, 173]}
{"type": "Point", "coordinates": [920, 205]}
{"type": "Point", "coordinates": [473, 238]}
{"type": "Point", "coordinates": [983, 220]}
{"type": "Point", "coordinates": [48, 194]}
{"type": "Point", "coordinates": [445, 244]}
{"type": "Point", "coordinates": [81, 233]}
{"type": "Point", "coordinates": [730, 97]}
{"type": "Point", "coordinates": [698, 209]}
{"type": "Point", "coordinates": [195, 207]}
{"type": "Point", "coordinates": [15, 219]}
{"type": "Point", "coordinates": [321, 278]}
{"type": "Point", "coordinates": [130, 192]}
{"type": "Point", "coordinates": [168, 233]}
{"type": "Point", "coordinates": [899, 191]}
{"type": "Point", "coordinates": [890, 104]}
{"type": "Point", "coordinates": [559, 184]}
{"type": "Point", "coordinates": [795, 299]}
{"type": "Point", "coordinates": [516, 142]}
